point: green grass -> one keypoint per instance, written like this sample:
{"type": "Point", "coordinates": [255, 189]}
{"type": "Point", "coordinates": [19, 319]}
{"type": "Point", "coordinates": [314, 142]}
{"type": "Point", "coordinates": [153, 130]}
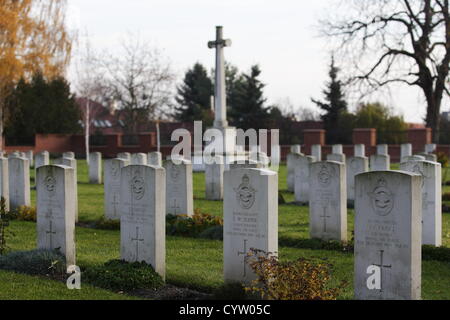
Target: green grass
{"type": "Point", "coordinates": [194, 263]}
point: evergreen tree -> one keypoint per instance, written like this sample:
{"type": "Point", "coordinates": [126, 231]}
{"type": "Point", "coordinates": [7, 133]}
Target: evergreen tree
{"type": "Point", "coordinates": [246, 101]}
{"type": "Point", "coordinates": [194, 96]}
{"type": "Point", "coordinates": [334, 106]}
{"type": "Point", "coordinates": [41, 106]}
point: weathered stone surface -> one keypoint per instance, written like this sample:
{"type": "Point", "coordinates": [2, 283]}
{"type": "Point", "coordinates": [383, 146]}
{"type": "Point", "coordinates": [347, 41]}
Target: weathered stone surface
{"type": "Point", "coordinates": [95, 168]}
{"type": "Point", "coordinates": [56, 210]}
{"type": "Point", "coordinates": [19, 182]}
{"type": "Point", "coordinates": [380, 162]}
{"type": "Point", "coordinates": [388, 236]}
{"type": "Point", "coordinates": [302, 170]}
{"type": "Point", "coordinates": [154, 159]}
{"type": "Point", "coordinates": [328, 204]}
{"type": "Point", "coordinates": [143, 216]}
{"type": "Point", "coordinates": [250, 219]}
{"type": "Point", "coordinates": [112, 187]}
{"type": "Point", "coordinates": [179, 188]}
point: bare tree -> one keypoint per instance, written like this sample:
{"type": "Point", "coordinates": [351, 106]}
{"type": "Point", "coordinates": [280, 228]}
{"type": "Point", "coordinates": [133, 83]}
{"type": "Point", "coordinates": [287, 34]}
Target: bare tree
{"type": "Point", "coordinates": [397, 41]}
{"type": "Point", "coordinates": [89, 84]}
{"type": "Point", "coordinates": [141, 80]}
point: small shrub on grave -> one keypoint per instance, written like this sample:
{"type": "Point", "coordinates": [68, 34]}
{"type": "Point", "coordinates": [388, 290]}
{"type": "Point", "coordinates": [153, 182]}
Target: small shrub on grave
{"type": "Point", "coordinates": [107, 224]}
{"type": "Point", "coordinates": [5, 234]}
{"type": "Point", "coordinates": [35, 262]}
{"type": "Point", "coordinates": [186, 226]}
{"type": "Point", "coordinates": [120, 275]}
{"type": "Point", "coordinates": [302, 279]}
{"type": "Point", "coordinates": [25, 213]}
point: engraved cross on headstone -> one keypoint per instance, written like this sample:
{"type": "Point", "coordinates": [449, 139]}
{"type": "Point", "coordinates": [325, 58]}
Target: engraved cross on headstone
{"type": "Point", "coordinates": [325, 217]}
{"type": "Point", "coordinates": [381, 266]}
{"type": "Point", "coordinates": [175, 206]}
{"type": "Point", "coordinates": [220, 112]}
{"type": "Point", "coordinates": [51, 233]}
{"type": "Point", "coordinates": [115, 203]}
{"type": "Point", "coordinates": [245, 253]}
{"type": "Point", "coordinates": [137, 243]}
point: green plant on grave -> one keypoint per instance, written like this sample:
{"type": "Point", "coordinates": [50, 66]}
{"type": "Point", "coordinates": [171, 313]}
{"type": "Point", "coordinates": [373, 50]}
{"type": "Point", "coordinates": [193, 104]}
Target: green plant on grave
{"type": "Point", "coordinates": [5, 234]}
{"type": "Point", "coordinates": [302, 279]}
{"type": "Point", "coordinates": [25, 213]}
{"type": "Point", "coordinates": [186, 226]}
{"type": "Point", "coordinates": [107, 224]}
{"type": "Point", "coordinates": [35, 262]}
{"type": "Point", "coordinates": [120, 275]}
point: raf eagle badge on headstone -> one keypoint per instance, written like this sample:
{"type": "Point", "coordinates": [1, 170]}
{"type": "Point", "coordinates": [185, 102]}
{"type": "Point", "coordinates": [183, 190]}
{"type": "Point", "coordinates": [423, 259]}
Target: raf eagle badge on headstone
{"type": "Point", "coordinates": [382, 198]}
{"type": "Point", "coordinates": [245, 193]}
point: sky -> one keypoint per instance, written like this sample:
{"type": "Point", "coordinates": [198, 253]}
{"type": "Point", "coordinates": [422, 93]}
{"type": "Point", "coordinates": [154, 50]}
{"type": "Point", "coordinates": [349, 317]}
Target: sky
{"type": "Point", "coordinates": [281, 36]}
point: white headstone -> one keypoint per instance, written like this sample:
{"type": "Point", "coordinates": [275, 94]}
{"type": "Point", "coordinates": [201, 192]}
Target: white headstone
{"type": "Point", "coordinates": [4, 181]}
{"type": "Point", "coordinates": [138, 159]}
{"type": "Point", "coordinates": [380, 162]}
{"type": "Point", "coordinates": [71, 163]}
{"type": "Point", "coordinates": [42, 159]}
{"type": "Point", "coordinates": [339, 157]}
{"type": "Point", "coordinates": [430, 148]}
{"type": "Point", "coordinates": [296, 148]}
{"type": "Point", "coordinates": [405, 151]}
{"type": "Point", "coordinates": [316, 152]}
{"type": "Point", "coordinates": [382, 149]}
{"type": "Point", "coordinates": [214, 179]}
{"type": "Point", "coordinates": [337, 149]}
{"type": "Point", "coordinates": [124, 156]}
{"type": "Point", "coordinates": [30, 156]}
{"type": "Point", "coordinates": [19, 182]}
{"type": "Point", "coordinates": [431, 173]}
{"type": "Point", "coordinates": [250, 219]}
{"type": "Point", "coordinates": [359, 150]}
{"type": "Point", "coordinates": [179, 184]}
{"type": "Point", "coordinates": [95, 168]}
{"type": "Point", "coordinates": [56, 210]}
{"type": "Point", "coordinates": [69, 155]}
{"type": "Point", "coordinates": [112, 187]}
{"type": "Point", "coordinates": [327, 204]}
{"type": "Point", "coordinates": [302, 168]}
{"type": "Point", "coordinates": [413, 158]}
{"type": "Point", "coordinates": [291, 161]}
{"type": "Point", "coordinates": [388, 236]}
{"type": "Point", "coordinates": [154, 159]}
{"type": "Point", "coordinates": [142, 216]}
{"type": "Point", "coordinates": [275, 155]}
{"type": "Point", "coordinates": [355, 165]}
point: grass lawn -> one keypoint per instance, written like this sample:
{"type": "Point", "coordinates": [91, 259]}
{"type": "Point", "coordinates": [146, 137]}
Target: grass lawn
{"type": "Point", "coordinates": [193, 263]}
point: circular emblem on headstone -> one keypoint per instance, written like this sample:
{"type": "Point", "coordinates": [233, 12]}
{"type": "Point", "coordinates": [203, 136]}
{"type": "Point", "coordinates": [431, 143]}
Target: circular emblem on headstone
{"type": "Point", "coordinates": [138, 187]}
{"type": "Point", "coordinates": [245, 193]}
{"type": "Point", "coordinates": [382, 198]}
{"type": "Point", "coordinates": [175, 172]}
{"type": "Point", "coordinates": [324, 176]}
{"type": "Point", "coordinates": [50, 185]}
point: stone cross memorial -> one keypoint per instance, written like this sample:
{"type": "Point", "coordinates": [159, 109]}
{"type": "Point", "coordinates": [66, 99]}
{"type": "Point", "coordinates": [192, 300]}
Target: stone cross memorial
{"type": "Point", "coordinates": [250, 219]}
{"type": "Point", "coordinates": [431, 199]}
{"type": "Point", "coordinates": [328, 201]}
{"type": "Point", "coordinates": [19, 182]}
{"type": "Point", "coordinates": [388, 232]}
{"type": "Point", "coordinates": [179, 188]}
{"type": "Point", "coordinates": [112, 187]}
{"type": "Point", "coordinates": [56, 210]}
{"type": "Point", "coordinates": [142, 216]}
{"type": "Point", "coordinates": [355, 165]}
{"type": "Point", "coordinates": [4, 181]}
{"type": "Point", "coordinates": [301, 186]}
{"type": "Point", "coordinates": [95, 168]}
